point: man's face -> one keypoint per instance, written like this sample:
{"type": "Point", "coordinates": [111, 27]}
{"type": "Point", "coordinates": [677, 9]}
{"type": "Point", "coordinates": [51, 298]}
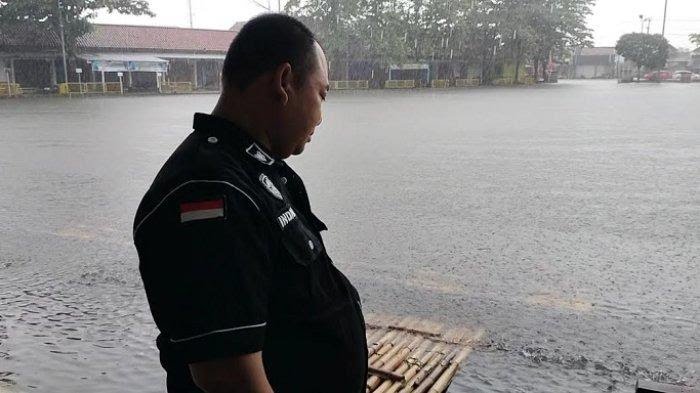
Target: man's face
{"type": "Point", "coordinates": [302, 114]}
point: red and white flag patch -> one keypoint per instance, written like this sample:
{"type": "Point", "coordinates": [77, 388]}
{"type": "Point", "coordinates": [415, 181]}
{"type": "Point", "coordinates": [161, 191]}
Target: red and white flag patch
{"type": "Point", "coordinates": [203, 210]}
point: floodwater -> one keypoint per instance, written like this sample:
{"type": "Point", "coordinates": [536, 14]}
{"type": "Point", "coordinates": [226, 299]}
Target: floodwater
{"type": "Point", "coordinates": [563, 219]}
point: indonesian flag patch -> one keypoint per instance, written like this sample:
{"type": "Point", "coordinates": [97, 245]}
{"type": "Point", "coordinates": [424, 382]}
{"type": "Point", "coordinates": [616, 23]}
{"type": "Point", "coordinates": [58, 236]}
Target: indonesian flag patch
{"type": "Point", "coordinates": [203, 210]}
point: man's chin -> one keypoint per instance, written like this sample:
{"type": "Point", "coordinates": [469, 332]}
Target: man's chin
{"type": "Point", "coordinates": [298, 150]}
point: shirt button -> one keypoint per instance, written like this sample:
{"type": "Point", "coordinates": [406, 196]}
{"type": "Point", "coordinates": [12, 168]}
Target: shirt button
{"type": "Point", "coordinates": [212, 139]}
{"type": "Point", "coordinates": [284, 180]}
{"type": "Point", "coordinates": [311, 245]}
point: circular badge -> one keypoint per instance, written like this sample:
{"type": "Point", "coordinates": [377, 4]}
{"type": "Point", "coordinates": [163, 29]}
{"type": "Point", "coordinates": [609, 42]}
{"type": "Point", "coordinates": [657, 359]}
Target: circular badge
{"type": "Point", "coordinates": [270, 186]}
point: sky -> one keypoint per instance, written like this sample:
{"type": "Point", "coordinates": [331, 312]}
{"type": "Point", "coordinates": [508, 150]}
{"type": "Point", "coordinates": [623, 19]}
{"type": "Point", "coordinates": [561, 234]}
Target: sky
{"type": "Point", "coordinates": [610, 19]}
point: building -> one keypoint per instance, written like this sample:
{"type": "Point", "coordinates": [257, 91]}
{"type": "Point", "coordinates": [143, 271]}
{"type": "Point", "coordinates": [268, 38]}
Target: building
{"type": "Point", "coordinates": [595, 63]}
{"type": "Point", "coordinates": [694, 64]}
{"type": "Point", "coordinates": [144, 55]}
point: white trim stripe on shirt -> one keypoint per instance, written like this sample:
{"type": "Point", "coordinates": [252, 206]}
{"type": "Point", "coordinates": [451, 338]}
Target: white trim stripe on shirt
{"type": "Point", "coordinates": [136, 229]}
{"type": "Point", "coordinates": [233, 329]}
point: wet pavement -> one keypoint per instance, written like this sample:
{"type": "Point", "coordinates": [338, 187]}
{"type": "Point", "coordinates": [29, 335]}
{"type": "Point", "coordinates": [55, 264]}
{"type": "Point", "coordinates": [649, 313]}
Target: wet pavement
{"type": "Point", "coordinates": [563, 219]}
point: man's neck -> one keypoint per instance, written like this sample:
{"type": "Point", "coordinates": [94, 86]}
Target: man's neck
{"type": "Point", "coordinates": [231, 109]}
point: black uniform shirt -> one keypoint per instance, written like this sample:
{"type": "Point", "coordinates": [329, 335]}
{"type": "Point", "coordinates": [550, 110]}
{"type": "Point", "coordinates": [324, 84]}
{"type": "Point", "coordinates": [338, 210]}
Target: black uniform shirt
{"type": "Point", "coordinates": [233, 262]}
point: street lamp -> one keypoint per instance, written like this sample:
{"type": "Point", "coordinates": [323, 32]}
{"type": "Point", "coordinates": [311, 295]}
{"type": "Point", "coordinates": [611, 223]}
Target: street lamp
{"type": "Point", "coordinates": [663, 30]}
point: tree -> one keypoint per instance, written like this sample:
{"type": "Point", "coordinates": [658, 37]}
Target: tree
{"type": "Point", "coordinates": [646, 50]}
{"type": "Point", "coordinates": [455, 36]}
{"type": "Point", "coordinates": [42, 15]}
{"type": "Point", "coordinates": [695, 39]}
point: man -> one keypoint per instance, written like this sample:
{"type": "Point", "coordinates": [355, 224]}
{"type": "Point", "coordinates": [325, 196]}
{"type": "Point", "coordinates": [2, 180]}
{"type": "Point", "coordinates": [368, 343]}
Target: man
{"type": "Point", "coordinates": [236, 274]}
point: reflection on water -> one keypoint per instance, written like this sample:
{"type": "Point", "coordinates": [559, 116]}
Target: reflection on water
{"type": "Point", "coordinates": [563, 219]}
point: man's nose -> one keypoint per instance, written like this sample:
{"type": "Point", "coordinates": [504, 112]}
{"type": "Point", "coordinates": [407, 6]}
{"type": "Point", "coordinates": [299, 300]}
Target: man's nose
{"type": "Point", "coordinates": [320, 120]}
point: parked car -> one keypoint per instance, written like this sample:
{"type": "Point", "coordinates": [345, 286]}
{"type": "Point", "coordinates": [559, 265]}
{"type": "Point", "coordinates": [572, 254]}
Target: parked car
{"type": "Point", "coordinates": [658, 75]}
{"type": "Point", "coordinates": [688, 76]}
{"type": "Point", "coordinates": [678, 75]}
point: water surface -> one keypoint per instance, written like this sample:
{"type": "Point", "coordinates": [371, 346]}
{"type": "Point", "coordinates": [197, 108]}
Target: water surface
{"type": "Point", "coordinates": [564, 219]}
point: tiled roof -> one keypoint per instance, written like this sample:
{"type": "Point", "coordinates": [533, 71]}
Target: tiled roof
{"type": "Point", "coordinates": [124, 38]}
{"type": "Point", "coordinates": [22, 36]}
{"type": "Point", "coordinates": [156, 38]}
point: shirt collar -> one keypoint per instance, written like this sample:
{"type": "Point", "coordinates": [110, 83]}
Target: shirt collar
{"type": "Point", "coordinates": [234, 136]}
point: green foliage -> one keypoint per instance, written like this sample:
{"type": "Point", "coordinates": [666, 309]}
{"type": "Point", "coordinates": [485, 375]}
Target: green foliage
{"type": "Point", "coordinates": [695, 39]}
{"type": "Point", "coordinates": [477, 34]}
{"type": "Point", "coordinates": [646, 50]}
{"type": "Point", "coordinates": [40, 15]}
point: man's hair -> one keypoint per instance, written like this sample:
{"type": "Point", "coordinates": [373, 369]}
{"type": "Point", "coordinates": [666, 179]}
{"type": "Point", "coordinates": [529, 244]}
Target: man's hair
{"type": "Point", "coordinates": [263, 44]}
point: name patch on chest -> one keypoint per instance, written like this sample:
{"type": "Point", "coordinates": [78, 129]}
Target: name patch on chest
{"type": "Point", "coordinates": [286, 217]}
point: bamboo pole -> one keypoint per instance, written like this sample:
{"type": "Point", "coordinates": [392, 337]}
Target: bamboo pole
{"type": "Point", "coordinates": [392, 362]}
{"type": "Point", "coordinates": [444, 381]}
{"type": "Point", "coordinates": [384, 374]}
{"type": "Point", "coordinates": [383, 339]}
{"type": "Point", "coordinates": [435, 374]}
{"type": "Point", "coordinates": [410, 363]}
{"type": "Point", "coordinates": [436, 356]}
{"type": "Point", "coordinates": [377, 346]}
{"type": "Point", "coordinates": [373, 336]}
{"type": "Point", "coordinates": [386, 348]}
{"type": "Point", "coordinates": [381, 360]}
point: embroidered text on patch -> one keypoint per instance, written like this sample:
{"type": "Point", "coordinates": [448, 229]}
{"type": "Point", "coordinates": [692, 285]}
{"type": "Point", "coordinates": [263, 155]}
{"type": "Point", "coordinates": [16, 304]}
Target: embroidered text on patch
{"type": "Point", "coordinates": [203, 210]}
{"type": "Point", "coordinates": [286, 217]}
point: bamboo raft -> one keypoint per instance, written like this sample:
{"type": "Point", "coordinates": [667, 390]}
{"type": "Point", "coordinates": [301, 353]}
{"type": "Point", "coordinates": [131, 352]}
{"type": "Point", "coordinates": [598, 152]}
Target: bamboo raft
{"type": "Point", "coordinates": [409, 355]}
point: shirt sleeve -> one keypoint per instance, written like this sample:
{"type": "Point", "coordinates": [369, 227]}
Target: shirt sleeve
{"type": "Point", "coordinates": [205, 260]}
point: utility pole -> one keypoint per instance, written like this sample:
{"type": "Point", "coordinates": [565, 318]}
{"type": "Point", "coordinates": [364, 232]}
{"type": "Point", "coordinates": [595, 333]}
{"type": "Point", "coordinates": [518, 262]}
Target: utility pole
{"type": "Point", "coordinates": [641, 20]}
{"type": "Point", "coordinates": [663, 30]}
{"type": "Point", "coordinates": [189, 6]}
{"type": "Point", "coordinates": [63, 41]}
{"type": "Point", "coordinates": [648, 24]}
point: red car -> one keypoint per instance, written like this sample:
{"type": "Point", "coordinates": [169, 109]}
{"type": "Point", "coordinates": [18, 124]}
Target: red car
{"type": "Point", "coordinates": [659, 75]}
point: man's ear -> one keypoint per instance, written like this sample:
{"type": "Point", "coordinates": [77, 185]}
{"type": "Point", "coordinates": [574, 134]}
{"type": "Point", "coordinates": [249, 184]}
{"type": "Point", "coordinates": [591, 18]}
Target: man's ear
{"type": "Point", "coordinates": [283, 82]}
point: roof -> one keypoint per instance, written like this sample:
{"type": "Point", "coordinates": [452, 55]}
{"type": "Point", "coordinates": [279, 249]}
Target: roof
{"type": "Point", "coordinates": [237, 26]}
{"type": "Point", "coordinates": [122, 57]}
{"type": "Point", "coordinates": [598, 51]}
{"type": "Point", "coordinates": [24, 36]}
{"type": "Point", "coordinates": [124, 38]}
{"type": "Point", "coordinates": [156, 38]}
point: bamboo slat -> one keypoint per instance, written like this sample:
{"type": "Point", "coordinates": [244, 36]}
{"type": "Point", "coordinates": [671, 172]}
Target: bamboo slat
{"type": "Point", "coordinates": [411, 355]}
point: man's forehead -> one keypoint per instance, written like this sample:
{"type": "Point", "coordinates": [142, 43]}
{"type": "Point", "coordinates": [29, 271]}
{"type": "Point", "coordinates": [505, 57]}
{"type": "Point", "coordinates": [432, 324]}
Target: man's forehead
{"type": "Point", "coordinates": [322, 61]}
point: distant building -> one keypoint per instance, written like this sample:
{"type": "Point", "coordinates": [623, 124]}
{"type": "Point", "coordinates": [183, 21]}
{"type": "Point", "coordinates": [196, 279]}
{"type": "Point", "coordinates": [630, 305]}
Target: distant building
{"type": "Point", "coordinates": [595, 63]}
{"type": "Point", "coordinates": [678, 60]}
{"type": "Point", "coordinates": [695, 61]}
{"type": "Point", "coordinates": [141, 53]}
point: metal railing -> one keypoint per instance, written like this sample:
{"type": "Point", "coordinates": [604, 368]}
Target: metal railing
{"type": "Point", "coordinates": [400, 84]}
{"type": "Point", "coordinates": [349, 85]}
{"type": "Point", "coordinates": [10, 89]}
{"type": "Point", "coordinates": [467, 82]}
{"type": "Point", "coordinates": [176, 87]}
{"type": "Point", "coordinates": [503, 82]}
{"type": "Point", "coordinates": [71, 88]}
{"type": "Point", "coordinates": [440, 83]}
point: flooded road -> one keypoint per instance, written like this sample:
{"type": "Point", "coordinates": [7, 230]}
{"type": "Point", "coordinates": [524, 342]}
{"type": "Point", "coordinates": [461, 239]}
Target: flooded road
{"type": "Point", "coordinates": [564, 219]}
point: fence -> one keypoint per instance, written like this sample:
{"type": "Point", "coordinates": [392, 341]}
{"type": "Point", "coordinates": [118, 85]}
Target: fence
{"type": "Point", "coordinates": [400, 84]}
{"type": "Point", "coordinates": [503, 82]}
{"type": "Point", "coordinates": [349, 85]}
{"type": "Point", "coordinates": [467, 82]}
{"type": "Point", "coordinates": [176, 87]}
{"type": "Point", "coordinates": [440, 83]}
{"type": "Point", "coordinates": [10, 89]}
{"type": "Point", "coordinates": [529, 80]}
{"type": "Point", "coordinates": [66, 89]}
